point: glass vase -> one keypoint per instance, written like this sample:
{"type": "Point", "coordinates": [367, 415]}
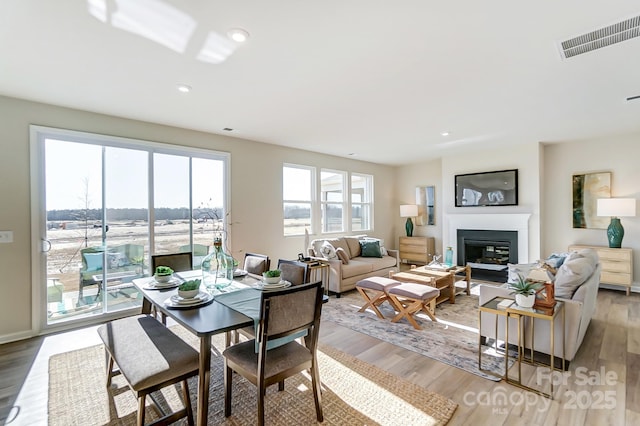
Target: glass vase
{"type": "Point", "coordinates": [217, 267]}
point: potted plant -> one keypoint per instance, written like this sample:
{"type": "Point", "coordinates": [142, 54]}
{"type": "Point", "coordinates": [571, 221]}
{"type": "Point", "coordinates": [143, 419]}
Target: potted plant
{"type": "Point", "coordinates": [163, 274]}
{"type": "Point", "coordinates": [525, 291]}
{"type": "Point", "coordinates": [189, 289]}
{"type": "Point", "coordinates": [272, 276]}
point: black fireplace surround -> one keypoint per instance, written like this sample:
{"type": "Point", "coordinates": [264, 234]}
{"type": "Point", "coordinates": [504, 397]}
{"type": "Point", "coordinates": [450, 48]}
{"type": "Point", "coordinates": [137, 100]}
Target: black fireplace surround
{"type": "Point", "coordinates": [488, 252]}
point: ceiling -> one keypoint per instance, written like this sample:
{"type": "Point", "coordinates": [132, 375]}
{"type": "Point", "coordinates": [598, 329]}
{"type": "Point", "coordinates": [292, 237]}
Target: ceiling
{"type": "Point", "coordinates": [361, 79]}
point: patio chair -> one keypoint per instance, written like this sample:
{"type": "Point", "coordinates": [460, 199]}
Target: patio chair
{"type": "Point", "coordinates": [283, 313]}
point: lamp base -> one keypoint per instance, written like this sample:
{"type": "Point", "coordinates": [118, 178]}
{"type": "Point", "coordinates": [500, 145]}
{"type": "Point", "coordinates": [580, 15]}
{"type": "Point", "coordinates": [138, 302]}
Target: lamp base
{"type": "Point", "coordinates": [409, 227]}
{"type": "Point", "coordinates": [615, 232]}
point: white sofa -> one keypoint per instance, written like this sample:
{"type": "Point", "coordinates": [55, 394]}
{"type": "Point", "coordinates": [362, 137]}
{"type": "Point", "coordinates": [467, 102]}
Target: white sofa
{"type": "Point", "coordinates": [343, 277]}
{"type": "Point", "coordinates": [579, 310]}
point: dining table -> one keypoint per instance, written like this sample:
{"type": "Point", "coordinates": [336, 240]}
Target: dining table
{"type": "Point", "coordinates": [203, 320]}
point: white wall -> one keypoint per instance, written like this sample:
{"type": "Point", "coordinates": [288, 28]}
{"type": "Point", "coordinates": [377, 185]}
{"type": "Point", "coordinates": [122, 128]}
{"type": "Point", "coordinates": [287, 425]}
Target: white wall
{"type": "Point", "coordinates": [618, 155]}
{"type": "Point", "coordinates": [256, 192]}
{"type": "Point", "coordinates": [526, 158]}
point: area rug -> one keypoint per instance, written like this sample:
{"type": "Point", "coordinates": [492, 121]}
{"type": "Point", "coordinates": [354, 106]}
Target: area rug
{"type": "Point", "coordinates": [354, 393]}
{"type": "Point", "coordinates": [452, 340]}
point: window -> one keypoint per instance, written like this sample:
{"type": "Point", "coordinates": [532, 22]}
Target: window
{"type": "Point", "coordinates": [122, 201]}
{"type": "Point", "coordinates": [342, 202]}
{"type": "Point", "coordinates": [297, 184]}
{"type": "Point", "coordinates": [332, 200]}
{"type": "Point", "coordinates": [361, 195]}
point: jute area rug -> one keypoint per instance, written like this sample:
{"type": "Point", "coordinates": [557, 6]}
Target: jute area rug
{"type": "Point", "coordinates": [354, 393]}
{"type": "Point", "coordinates": [453, 339]}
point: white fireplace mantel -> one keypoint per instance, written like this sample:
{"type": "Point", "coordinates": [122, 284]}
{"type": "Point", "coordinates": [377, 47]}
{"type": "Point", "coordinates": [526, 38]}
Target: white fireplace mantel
{"type": "Point", "coordinates": [498, 222]}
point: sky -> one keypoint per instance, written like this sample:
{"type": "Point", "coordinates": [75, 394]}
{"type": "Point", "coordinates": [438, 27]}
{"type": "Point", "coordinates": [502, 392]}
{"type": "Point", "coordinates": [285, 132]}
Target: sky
{"type": "Point", "coordinates": [74, 177]}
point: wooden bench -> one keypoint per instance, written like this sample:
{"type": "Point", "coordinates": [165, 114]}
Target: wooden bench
{"type": "Point", "coordinates": [150, 357]}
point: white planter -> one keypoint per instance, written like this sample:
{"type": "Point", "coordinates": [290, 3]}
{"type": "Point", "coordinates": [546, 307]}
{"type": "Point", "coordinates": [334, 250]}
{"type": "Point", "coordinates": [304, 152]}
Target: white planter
{"type": "Point", "coordinates": [525, 301]}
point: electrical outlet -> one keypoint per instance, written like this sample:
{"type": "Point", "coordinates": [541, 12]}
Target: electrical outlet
{"type": "Point", "coordinates": [6, 236]}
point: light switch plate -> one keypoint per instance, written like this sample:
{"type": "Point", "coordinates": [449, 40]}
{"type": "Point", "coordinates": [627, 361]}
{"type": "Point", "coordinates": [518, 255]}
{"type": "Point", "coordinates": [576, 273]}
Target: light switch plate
{"type": "Point", "coordinates": [6, 236]}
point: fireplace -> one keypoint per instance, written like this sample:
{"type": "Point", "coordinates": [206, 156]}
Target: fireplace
{"type": "Point", "coordinates": [487, 252]}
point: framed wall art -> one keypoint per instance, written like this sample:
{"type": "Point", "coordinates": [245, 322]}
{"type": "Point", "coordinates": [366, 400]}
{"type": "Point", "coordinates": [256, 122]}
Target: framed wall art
{"type": "Point", "coordinates": [587, 188]}
{"type": "Point", "coordinates": [426, 201]}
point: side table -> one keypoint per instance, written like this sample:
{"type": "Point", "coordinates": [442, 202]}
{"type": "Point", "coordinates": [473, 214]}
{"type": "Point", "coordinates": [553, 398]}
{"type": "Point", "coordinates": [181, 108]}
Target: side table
{"type": "Point", "coordinates": [550, 314]}
{"type": "Point", "coordinates": [494, 306]}
{"type": "Point", "coordinates": [319, 271]}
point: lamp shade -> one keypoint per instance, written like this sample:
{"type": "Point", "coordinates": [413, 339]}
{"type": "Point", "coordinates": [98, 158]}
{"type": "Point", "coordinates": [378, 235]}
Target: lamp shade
{"type": "Point", "coordinates": [616, 207]}
{"type": "Point", "coordinates": [408, 210]}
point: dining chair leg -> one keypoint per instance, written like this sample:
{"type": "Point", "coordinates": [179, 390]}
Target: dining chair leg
{"type": "Point", "coordinates": [228, 377]}
{"type": "Point", "coordinates": [109, 368]}
{"type": "Point", "coordinates": [261, 391]}
{"type": "Point", "coordinates": [187, 402]}
{"type": "Point", "coordinates": [281, 385]}
{"type": "Point", "coordinates": [317, 395]}
{"type": "Point", "coordinates": [141, 401]}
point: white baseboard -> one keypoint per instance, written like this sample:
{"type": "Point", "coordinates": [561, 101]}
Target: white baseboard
{"type": "Point", "coordinates": [13, 337]}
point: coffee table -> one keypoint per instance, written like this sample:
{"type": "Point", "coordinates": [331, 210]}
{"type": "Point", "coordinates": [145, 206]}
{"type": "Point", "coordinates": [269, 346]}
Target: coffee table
{"type": "Point", "coordinates": [444, 279]}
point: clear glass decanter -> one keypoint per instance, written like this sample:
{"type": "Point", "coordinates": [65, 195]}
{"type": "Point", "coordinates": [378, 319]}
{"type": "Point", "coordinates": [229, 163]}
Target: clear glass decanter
{"type": "Point", "coordinates": [217, 267]}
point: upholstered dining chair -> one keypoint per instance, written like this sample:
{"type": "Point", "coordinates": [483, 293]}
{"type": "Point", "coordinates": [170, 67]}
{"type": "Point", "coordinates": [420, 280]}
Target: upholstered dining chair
{"type": "Point", "coordinates": [294, 271]}
{"type": "Point", "coordinates": [256, 263]}
{"type": "Point", "coordinates": [283, 313]}
{"type": "Point", "coordinates": [177, 261]}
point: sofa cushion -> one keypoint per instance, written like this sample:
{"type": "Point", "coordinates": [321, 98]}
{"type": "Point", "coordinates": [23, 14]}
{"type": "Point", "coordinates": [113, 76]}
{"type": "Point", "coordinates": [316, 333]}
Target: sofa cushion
{"type": "Point", "coordinates": [571, 275]}
{"type": "Point", "coordinates": [357, 266]}
{"type": "Point", "coordinates": [370, 248]}
{"type": "Point", "coordinates": [342, 255]}
{"type": "Point", "coordinates": [587, 253]}
{"type": "Point", "coordinates": [354, 246]}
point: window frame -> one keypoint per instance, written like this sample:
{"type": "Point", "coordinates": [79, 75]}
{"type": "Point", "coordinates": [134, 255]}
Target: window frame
{"type": "Point", "coordinates": [311, 202]}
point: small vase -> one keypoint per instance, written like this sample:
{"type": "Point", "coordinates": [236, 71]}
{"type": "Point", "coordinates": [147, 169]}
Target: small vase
{"type": "Point", "coordinates": [525, 300]}
{"type": "Point", "coordinates": [448, 257]}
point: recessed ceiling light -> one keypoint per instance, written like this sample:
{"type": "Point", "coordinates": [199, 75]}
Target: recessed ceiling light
{"type": "Point", "coordinates": [445, 133]}
{"type": "Point", "coordinates": [184, 88]}
{"type": "Point", "coordinates": [238, 35]}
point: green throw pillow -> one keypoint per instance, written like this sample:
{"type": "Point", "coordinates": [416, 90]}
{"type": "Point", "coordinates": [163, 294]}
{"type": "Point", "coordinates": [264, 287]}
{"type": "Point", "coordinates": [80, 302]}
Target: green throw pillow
{"type": "Point", "coordinates": [370, 249]}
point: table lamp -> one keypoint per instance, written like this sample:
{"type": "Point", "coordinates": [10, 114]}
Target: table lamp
{"type": "Point", "coordinates": [616, 208]}
{"type": "Point", "coordinates": [409, 211]}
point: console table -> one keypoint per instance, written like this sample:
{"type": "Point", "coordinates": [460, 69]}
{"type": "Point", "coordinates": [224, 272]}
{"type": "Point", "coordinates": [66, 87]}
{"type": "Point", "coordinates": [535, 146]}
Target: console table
{"type": "Point", "coordinates": [417, 249]}
{"type": "Point", "coordinates": [617, 264]}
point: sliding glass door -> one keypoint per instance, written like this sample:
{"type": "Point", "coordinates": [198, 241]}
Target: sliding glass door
{"type": "Point", "coordinates": [105, 205]}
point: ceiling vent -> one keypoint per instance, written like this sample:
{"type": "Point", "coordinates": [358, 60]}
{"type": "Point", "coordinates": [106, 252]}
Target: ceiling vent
{"type": "Point", "coordinates": [602, 37]}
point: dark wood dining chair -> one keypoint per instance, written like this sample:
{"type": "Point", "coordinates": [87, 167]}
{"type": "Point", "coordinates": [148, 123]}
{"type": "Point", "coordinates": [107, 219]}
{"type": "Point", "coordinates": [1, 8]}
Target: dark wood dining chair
{"type": "Point", "coordinates": [283, 313]}
{"type": "Point", "coordinates": [256, 263]}
{"type": "Point", "coordinates": [179, 262]}
{"type": "Point", "coordinates": [294, 271]}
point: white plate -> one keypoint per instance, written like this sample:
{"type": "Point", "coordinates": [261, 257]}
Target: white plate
{"type": "Point", "coordinates": [177, 301]}
{"type": "Point", "coordinates": [155, 285]}
{"type": "Point", "coordinates": [266, 286]}
{"type": "Point", "coordinates": [239, 273]}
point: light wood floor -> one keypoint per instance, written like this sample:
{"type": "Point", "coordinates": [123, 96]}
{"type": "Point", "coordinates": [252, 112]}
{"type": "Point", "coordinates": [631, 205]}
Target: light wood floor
{"type": "Point", "coordinates": [611, 346]}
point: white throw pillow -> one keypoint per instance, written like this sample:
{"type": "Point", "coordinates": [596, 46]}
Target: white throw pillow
{"type": "Point", "coordinates": [328, 251]}
{"type": "Point", "coordinates": [571, 275]}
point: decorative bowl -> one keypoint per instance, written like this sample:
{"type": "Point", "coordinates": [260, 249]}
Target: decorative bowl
{"type": "Point", "coordinates": [188, 294]}
{"type": "Point", "coordinates": [163, 278]}
{"type": "Point", "coordinates": [270, 280]}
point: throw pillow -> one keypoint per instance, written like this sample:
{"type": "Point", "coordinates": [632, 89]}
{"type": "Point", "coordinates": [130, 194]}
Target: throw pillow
{"type": "Point", "coordinates": [521, 269]}
{"type": "Point", "coordinates": [571, 275]}
{"type": "Point", "coordinates": [328, 251]}
{"type": "Point", "coordinates": [370, 249]}
{"type": "Point", "coordinates": [342, 255]}
{"type": "Point", "coordinates": [383, 251]}
{"type": "Point", "coordinates": [556, 260]}
{"type": "Point", "coordinates": [94, 261]}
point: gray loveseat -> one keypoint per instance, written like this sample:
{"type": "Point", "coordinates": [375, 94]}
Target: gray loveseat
{"type": "Point", "coordinates": [579, 306]}
{"type": "Point", "coordinates": [343, 276]}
